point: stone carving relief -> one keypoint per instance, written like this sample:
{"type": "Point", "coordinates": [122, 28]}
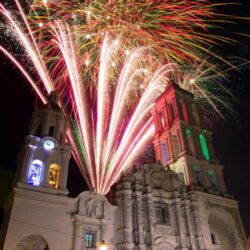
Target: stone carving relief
{"type": "Point", "coordinates": [32, 242]}
{"type": "Point", "coordinates": [164, 229]}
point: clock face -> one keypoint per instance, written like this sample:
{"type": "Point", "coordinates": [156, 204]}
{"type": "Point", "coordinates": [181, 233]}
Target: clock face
{"type": "Point", "coordinates": [48, 144]}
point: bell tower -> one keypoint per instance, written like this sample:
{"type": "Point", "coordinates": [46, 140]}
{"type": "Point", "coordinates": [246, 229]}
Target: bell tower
{"type": "Point", "coordinates": [44, 157]}
{"type": "Point", "coordinates": [183, 142]}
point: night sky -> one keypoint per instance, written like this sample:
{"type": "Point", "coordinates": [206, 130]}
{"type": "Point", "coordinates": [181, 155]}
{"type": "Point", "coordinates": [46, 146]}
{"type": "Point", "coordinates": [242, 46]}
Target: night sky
{"type": "Point", "coordinates": [231, 136]}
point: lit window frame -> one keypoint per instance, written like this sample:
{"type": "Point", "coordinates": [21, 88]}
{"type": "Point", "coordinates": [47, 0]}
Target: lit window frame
{"type": "Point", "coordinates": [90, 239]}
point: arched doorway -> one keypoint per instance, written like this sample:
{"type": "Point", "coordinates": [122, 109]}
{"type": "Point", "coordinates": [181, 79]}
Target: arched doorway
{"type": "Point", "coordinates": [224, 233]}
{"type": "Point", "coordinates": [32, 242]}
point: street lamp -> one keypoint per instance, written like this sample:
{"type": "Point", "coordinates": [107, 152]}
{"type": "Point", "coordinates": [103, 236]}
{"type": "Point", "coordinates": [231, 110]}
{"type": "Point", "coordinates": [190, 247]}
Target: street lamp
{"type": "Point", "coordinates": [103, 245]}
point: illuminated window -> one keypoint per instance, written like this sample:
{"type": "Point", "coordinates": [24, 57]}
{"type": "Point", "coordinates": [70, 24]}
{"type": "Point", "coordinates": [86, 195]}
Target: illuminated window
{"type": "Point", "coordinates": [162, 213]}
{"type": "Point", "coordinates": [35, 174]}
{"type": "Point", "coordinates": [54, 170]}
{"type": "Point", "coordinates": [162, 120]}
{"type": "Point", "coordinates": [89, 239]}
{"type": "Point", "coordinates": [164, 153]}
{"type": "Point", "coordinates": [204, 147]}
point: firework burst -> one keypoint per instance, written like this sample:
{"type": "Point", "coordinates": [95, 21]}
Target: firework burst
{"type": "Point", "coordinates": [110, 60]}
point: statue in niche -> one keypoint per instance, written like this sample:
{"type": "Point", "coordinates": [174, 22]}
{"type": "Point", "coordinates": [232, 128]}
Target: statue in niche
{"type": "Point", "coordinates": [54, 175]}
{"type": "Point", "coordinates": [91, 207]}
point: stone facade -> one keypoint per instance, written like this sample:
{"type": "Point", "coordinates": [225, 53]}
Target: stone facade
{"type": "Point", "coordinates": [163, 214]}
{"type": "Point", "coordinates": [154, 211]}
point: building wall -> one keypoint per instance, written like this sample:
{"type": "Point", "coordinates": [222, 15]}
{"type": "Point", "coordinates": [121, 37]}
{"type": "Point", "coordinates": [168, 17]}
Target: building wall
{"type": "Point", "coordinates": [60, 221]}
{"type": "Point", "coordinates": [154, 211]}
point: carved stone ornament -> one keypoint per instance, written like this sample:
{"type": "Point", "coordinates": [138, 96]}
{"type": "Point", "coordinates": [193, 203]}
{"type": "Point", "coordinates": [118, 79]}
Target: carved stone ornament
{"type": "Point", "coordinates": [32, 242]}
{"type": "Point", "coordinates": [164, 229]}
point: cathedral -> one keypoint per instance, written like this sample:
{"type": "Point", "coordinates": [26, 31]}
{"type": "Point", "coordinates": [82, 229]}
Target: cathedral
{"type": "Point", "coordinates": [178, 202]}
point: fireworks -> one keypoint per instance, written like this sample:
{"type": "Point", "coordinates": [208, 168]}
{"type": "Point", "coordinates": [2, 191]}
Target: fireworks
{"type": "Point", "coordinates": [110, 60]}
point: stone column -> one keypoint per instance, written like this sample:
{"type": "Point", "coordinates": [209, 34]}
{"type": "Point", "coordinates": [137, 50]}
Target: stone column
{"type": "Point", "coordinates": [170, 146]}
{"type": "Point", "coordinates": [66, 155]}
{"type": "Point", "coordinates": [165, 114]}
{"type": "Point", "coordinates": [188, 224]}
{"type": "Point", "coordinates": [180, 227]}
{"type": "Point", "coordinates": [211, 148]}
{"type": "Point", "coordinates": [125, 228]}
{"type": "Point", "coordinates": [27, 157]}
{"type": "Point", "coordinates": [197, 226]}
{"type": "Point", "coordinates": [197, 144]}
{"type": "Point", "coordinates": [183, 138]}
{"type": "Point", "coordinates": [148, 218]}
{"type": "Point", "coordinates": [205, 177]}
{"type": "Point", "coordinates": [179, 108]}
{"type": "Point", "coordinates": [221, 181]}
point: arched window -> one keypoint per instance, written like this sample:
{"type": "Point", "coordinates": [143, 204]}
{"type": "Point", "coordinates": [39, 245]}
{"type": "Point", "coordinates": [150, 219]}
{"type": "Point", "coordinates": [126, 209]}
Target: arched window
{"type": "Point", "coordinates": [204, 147]}
{"type": "Point", "coordinates": [35, 174]}
{"type": "Point", "coordinates": [51, 131]}
{"type": "Point", "coordinates": [198, 176]}
{"type": "Point", "coordinates": [54, 171]}
{"type": "Point", "coordinates": [213, 179]}
{"type": "Point", "coordinates": [38, 131]}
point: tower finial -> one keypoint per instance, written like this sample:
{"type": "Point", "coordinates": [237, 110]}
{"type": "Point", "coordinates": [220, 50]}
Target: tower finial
{"type": "Point", "coordinates": [53, 99]}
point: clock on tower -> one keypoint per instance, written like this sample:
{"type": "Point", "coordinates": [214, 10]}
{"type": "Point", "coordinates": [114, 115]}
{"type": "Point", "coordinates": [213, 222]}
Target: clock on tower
{"type": "Point", "coordinates": [44, 157]}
